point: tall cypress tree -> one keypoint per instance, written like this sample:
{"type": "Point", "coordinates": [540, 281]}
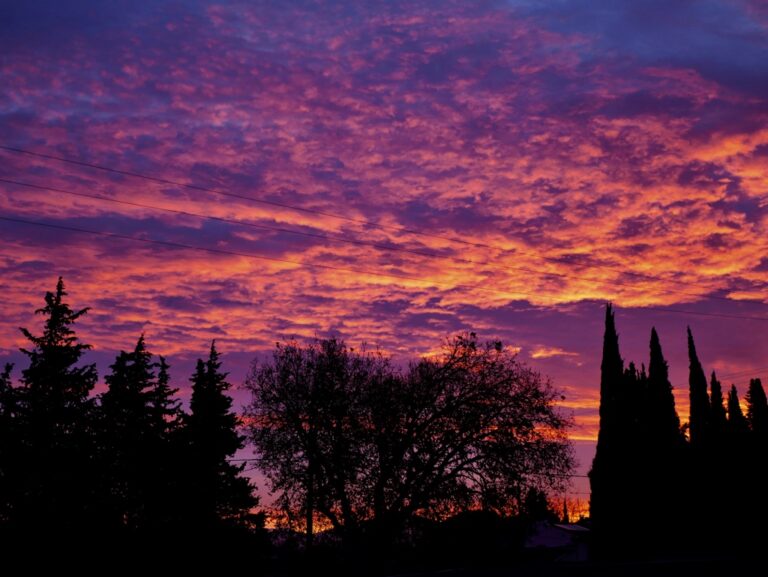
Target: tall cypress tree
{"type": "Point", "coordinates": [220, 495]}
{"type": "Point", "coordinates": [757, 410]}
{"type": "Point", "coordinates": [55, 418]}
{"type": "Point", "coordinates": [718, 409]}
{"type": "Point", "coordinates": [606, 476]}
{"type": "Point", "coordinates": [661, 412]}
{"type": "Point", "coordinates": [737, 423]}
{"type": "Point", "coordinates": [700, 410]}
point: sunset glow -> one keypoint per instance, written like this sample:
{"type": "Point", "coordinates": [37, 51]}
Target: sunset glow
{"type": "Point", "coordinates": [504, 167]}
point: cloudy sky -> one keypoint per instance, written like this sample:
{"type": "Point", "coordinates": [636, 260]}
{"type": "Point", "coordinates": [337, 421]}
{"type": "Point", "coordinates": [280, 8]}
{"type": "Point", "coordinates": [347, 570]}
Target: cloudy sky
{"type": "Point", "coordinates": [392, 173]}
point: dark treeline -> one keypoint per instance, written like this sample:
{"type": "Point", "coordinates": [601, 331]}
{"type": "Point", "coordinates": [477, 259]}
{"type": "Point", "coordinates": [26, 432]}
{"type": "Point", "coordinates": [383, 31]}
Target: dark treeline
{"type": "Point", "coordinates": [659, 487]}
{"type": "Point", "coordinates": [123, 467]}
{"type": "Point", "coordinates": [369, 457]}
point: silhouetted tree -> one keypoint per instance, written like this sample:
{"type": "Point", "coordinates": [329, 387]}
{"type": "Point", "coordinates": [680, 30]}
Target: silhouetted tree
{"type": "Point", "coordinates": [345, 435]}
{"type": "Point", "coordinates": [141, 441]}
{"type": "Point", "coordinates": [607, 476]}
{"type": "Point", "coordinates": [9, 445]}
{"type": "Point", "coordinates": [737, 423]}
{"type": "Point", "coordinates": [55, 425]}
{"type": "Point", "coordinates": [664, 424]}
{"type": "Point", "coordinates": [219, 494]}
{"type": "Point", "coordinates": [757, 410]}
{"type": "Point", "coordinates": [700, 418]}
{"type": "Point", "coordinates": [305, 415]}
{"type": "Point", "coordinates": [718, 408]}
{"type": "Point", "coordinates": [473, 427]}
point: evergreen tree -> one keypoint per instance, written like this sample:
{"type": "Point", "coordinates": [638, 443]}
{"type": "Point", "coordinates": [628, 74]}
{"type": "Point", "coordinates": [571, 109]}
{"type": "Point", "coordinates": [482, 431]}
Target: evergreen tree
{"type": "Point", "coordinates": [718, 409]}
{"type": "Point", "coordinates": [55, 417]}
{"type": "Point", "coordinates": [757, 410]}
{"type": "Point", "coordinates": [659, 452]}
{"type": "Point", "coordinates": [219, 494]}
{"type": "Point", "coordinates": [8, 444]}
{"type": "Point", "coordinates": [141, 428]}
{"type": "Point", "coordinates": [737, 423]}
{"type": "Point", "coordinates": [664, 431]}
{"type": "Point", "coordinates": [607, 477]}
{"type": "Point", "coordinates": [700, 410]}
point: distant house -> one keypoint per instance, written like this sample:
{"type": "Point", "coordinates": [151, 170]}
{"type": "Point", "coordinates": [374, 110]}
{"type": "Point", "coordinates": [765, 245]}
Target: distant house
{"type": "Point", "coordinates": [566, 541]}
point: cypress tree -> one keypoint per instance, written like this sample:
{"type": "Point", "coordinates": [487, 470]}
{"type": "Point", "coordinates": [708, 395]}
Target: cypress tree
{"type": "Point", "coordinates": [757, 410]}
{"type": "Point", "coordinates": [55, 425]}
{"type": "Point", "coordinates": [659, 452]}
{"type": "Point", "coordinates": [718, 409]}
{"type": "Point", "coordinates": [737, 423]}
{"type": "Point", "coordinates": [219, 495]}
{"type": "Point", "coordinates": [606, 476]}
{"type": "Point", "coordinates": [661, 412]}
{"type": "Point", "coordinates": [700, 409]}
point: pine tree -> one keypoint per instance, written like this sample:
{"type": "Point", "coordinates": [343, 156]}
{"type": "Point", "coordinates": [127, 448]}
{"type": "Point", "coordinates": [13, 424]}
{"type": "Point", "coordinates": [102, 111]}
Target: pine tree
{"type": "Point", "coordinates": [142, 438]}
{"type": "Point", "coordinates": [55, 418]}
{"type": "Point", "coordinates": [219, 494]}
{"type": "Point", "coordinates": [757, 410]}
{"type": "Point", "coordinates": [700, 410]}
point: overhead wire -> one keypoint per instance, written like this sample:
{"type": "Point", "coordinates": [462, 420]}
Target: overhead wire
{"type": "Point", "coordinates": [174, 244]}
{"type": "Point", "coordinates": [289, 206]}
{"type": "Point", "coordinates": [378, 246]}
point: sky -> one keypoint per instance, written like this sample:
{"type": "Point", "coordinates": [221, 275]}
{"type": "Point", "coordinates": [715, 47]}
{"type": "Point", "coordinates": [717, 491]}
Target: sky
{"type": "Point", "coordinates": [392, 173]}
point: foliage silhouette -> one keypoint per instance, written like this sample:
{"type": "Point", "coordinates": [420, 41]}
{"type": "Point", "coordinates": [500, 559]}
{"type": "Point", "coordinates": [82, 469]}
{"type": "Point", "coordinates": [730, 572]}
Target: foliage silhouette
{"type": "Point", "coordinates": [344, 436]}
{"type": "Point", "coordinates": [218, 494]}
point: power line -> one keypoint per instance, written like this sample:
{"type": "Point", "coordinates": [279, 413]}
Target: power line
{"type": "Point", "coordinates": [741, 374]}
{"type": "Point", "coordinates": [378, 246]}
{"type": "Point", "coordinates": [358, 221]}
{"type": "Point", "coordinates": [273, 203]}
{"type": "Point", "coordinates": [173, 244]}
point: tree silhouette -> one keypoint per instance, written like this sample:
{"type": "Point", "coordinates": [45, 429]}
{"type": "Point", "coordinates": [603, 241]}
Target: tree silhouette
{"type": "Point", "coordinates": [737, 423]}
{"type": "Point", "coordinates": [345, 436]}
{"type": "Point", "coordinates": [719, 419]}
{"type": "Point", "coordinates": [304, 415]}
{"type": "Point", "coordinates": [55, 417]}
{"type": "Point", "coordinates": [757, 410]}
{"type": "Point", "coordinates": [141, 426]}
{"type": "Point", "coordinates": [459, 432]}
{"type": "Point", "coordinates": [607, 475]}
{"type": "Point", "coordinates": [662, 415]}
{"type": "Point", "coordinates": [9, 445]}
{"type": "Point", "coordinates": [700, 409]}
{"type": "Point", "coordinates": [219, 495]}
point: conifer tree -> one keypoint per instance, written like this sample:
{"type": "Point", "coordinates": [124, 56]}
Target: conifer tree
{"type": "Point", "coordinates": [718, 409]}
{"type": "Point", "coordinates": [757, 410]}
{"type": "Point", "coordinates": [219, 494]}
{"type": "Point", "coordinates": [661, 413]}
{"type": "Point", "coordinates": [8, 443]}
{"type": "Point", "coordinates": [737, 423]}
{"type": "Point", "coordinates": [55, 417]}
{"type": "Point", "coordinates": [700, 410]}
{"type": "Point", "coordinates": [141, 429]}
{"type": "Point", "coordinates": [606, 476]}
